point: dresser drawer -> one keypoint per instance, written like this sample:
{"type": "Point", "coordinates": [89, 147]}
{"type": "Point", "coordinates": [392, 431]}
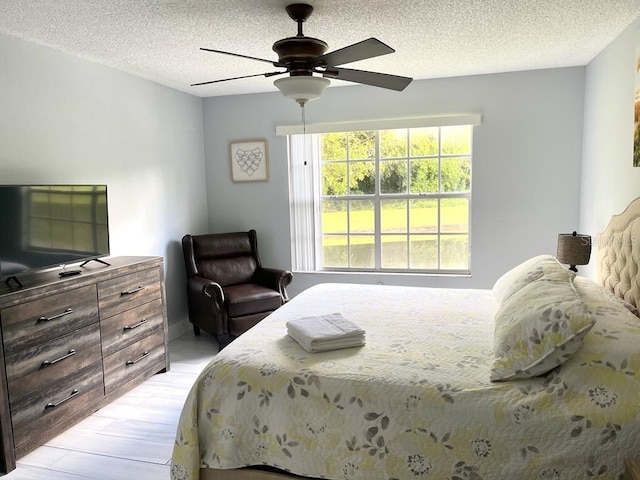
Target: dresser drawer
{"type": "Point", "coordinates": [45, 408]}
{"type": "Point", "coordinates": [128, 363]}
{"type": "Point", "coordinates": [35, 367]}
{"type": "Point", "coordinates": [131, 326]}
{"type": "Point", "coordinates": [129, 291]}
{"type": "Point", "coordinates": [29, 324]}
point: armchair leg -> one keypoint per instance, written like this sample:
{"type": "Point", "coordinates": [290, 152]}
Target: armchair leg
{"type": "Point", "coordinates": [224, 339]}
{"type": "Point", "coordinates": [196, 330]}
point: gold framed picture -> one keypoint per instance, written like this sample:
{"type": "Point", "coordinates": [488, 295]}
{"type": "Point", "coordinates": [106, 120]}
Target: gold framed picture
{"type": "Point", "coordinates": [249, 161]}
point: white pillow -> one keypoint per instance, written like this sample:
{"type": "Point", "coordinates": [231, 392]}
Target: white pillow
{"type": "Point", "coordinates": [603, 303]}
{"type": "Point", "coordinates": [538, 328]}
{"type": "Point", "coordinates": [525, 273]}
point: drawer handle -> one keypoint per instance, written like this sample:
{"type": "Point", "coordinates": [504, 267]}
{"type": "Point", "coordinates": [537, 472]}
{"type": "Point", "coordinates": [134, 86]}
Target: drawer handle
{"type": "Point", "coordinates": [54, 405]}
{"type": "Point", "coordinates": [133, 290]}
{"type": "Point", "coordinates": [47, 363]}
{"type": "Point", "coordinates": [68, 311]}
{"type": "Point", "coordinates": [131, 327]}
{"type": "Point", "coordinates": [133, 362]}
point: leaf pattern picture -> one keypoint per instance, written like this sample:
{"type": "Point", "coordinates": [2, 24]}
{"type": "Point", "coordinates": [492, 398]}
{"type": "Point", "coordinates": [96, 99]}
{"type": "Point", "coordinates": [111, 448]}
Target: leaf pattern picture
{"type": "Point", "coordinates": [249, 160]}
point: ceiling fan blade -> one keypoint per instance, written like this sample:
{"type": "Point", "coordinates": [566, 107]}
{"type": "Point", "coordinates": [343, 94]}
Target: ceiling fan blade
{"type": "Point", "coordinates": [375, 79]}
{"type": "Point", "coordinates": [275, 64]}
{"type": "Point", "coordinates": [268, 74]}
{"type": "Point", "coordinates": [372, 47]}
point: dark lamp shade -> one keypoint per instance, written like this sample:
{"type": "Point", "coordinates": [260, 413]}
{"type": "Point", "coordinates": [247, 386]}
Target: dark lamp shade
{"type": "Point", "coordinates": [574, 249]}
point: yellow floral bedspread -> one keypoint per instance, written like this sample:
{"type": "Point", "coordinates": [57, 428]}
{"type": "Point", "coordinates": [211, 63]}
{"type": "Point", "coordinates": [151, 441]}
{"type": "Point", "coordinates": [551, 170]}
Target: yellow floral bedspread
{"type": "Point", "coordinates": [416, 401]}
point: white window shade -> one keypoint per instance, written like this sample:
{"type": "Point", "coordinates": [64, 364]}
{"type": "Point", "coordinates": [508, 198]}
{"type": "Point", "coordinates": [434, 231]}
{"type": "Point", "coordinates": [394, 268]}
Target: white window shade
{"type": "Point", "coordinates": [304, 167]}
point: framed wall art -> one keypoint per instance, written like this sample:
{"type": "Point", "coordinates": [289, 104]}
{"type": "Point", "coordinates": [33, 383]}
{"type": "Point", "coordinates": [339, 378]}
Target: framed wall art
{"type": "Point", "coordinates": [249, 161]}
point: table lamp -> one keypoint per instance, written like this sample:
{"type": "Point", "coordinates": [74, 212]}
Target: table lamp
{"type": "Point", "coordinates": [574, 249]}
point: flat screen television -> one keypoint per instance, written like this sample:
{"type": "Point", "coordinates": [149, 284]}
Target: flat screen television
{"type": "Point", "coordinates": [43, 226]}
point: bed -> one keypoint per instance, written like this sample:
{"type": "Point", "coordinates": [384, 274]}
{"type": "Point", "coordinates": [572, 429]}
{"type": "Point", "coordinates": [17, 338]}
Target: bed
{"type": "Point", "coordinates": [451, 384]}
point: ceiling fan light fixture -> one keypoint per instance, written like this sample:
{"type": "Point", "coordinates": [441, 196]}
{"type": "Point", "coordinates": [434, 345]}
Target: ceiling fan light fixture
{"type": "Point", "coordinates": [302, 88]}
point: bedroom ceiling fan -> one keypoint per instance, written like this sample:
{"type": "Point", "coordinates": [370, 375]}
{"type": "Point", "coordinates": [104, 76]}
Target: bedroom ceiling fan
{"type": "Point", "coordinates": [302, 57]}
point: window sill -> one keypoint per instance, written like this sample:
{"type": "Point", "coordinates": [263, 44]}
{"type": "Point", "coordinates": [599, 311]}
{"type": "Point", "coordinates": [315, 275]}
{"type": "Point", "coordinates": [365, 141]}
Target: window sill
{"type": "Point", "coordinates": [385, 274]}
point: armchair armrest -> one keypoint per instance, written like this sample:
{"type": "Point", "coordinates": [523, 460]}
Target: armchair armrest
{"type": "Point", "coordinates": [206, 305]}
{"type": "Point", "coordinates": [276, 279]}
{"type": "Point", "coordinates": [205, 288]}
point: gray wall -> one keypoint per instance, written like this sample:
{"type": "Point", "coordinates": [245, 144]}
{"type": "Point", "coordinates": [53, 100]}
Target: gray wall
{"type": "Point", "coordinates": [526, 163]}
{"type": "Point", "coordinates": [609, 180]}
{"type": "Point", "coordinates": [64, 119]}
{"type": "Point", "coordinates": [67, 120]}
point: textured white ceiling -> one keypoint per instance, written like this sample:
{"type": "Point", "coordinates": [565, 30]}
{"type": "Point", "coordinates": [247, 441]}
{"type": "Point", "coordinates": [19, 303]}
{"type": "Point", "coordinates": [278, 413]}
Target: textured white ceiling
{"type": "Point", "coordinates": [160, 39]}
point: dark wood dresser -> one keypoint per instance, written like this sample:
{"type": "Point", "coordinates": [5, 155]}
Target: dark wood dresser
{"type": "Point", "coordinates": [71, 345]}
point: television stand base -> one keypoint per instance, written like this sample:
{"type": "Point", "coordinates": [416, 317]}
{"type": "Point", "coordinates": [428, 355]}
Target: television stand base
{"type": "Point", "coordinates": [95, 260]}
{"type": "Point", "coordinates": [15, 279]}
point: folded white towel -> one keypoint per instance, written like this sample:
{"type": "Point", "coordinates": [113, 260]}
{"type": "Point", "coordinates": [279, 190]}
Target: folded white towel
{"type": "Point", "coordinates": [325, 332]}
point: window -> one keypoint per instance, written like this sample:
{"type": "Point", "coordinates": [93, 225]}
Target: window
{"type": "Point", "coordinates": [395, 200]}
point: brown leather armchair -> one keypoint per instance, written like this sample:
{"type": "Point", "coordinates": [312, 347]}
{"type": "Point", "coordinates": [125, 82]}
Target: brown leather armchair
{"type": "Point", "coordinates": [228, 290]}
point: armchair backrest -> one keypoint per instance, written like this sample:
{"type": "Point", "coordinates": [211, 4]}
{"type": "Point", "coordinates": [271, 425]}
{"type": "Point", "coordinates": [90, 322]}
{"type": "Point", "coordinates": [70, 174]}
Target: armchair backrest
{"type": "Point", "coordinates": [225, 258]}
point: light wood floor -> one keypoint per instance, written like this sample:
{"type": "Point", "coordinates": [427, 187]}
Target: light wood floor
{"type": "Point", "coordinates": [132, 437]}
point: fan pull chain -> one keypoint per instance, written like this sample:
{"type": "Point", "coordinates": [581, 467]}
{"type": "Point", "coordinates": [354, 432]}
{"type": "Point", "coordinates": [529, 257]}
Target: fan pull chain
{"type": "Point", "coordinates": [304, 133]}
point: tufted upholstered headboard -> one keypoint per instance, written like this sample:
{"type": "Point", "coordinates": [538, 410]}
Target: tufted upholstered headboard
{"type": "Point", "coordinates": [619, 255]}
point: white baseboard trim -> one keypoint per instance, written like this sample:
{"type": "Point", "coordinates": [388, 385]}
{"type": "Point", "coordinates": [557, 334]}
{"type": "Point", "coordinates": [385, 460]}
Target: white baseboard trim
{"type": "Point", "coordinates": [178, 329]}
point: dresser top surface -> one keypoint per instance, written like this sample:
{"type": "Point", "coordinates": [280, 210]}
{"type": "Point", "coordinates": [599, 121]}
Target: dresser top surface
{"type": "Point", "coordinates": [40, 283]}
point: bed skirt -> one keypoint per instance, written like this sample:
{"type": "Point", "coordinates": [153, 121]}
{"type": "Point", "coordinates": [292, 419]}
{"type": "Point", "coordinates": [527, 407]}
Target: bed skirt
{"type": "Point", "coordinates": [245, 474]}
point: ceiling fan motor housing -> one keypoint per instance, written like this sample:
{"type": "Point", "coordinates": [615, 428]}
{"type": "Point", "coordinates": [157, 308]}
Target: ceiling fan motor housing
{"type": "Point", "coordinates": [298, 53]}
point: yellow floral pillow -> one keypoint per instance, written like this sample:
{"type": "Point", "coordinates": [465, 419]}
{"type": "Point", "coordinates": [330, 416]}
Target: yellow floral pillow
{"type": "Point", "coordinates": [528, 271]}
{"type": "Point", "coordinates": [539, 327]}
{"type": "Point", "coordinates": [603, 302]}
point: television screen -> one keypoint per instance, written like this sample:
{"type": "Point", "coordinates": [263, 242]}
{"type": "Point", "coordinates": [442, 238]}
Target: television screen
{"type": "Point", "coordinates": [51, 225]}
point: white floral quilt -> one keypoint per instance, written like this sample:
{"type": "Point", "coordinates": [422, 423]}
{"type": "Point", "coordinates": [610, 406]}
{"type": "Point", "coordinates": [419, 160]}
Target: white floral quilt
{"type": "Point", "coordinates": [416, 401]}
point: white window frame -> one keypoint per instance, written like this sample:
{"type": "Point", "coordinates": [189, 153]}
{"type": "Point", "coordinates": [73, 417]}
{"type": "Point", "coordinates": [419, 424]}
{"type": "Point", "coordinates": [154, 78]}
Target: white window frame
{"type": "Point", "coordinates": [304, 186]}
